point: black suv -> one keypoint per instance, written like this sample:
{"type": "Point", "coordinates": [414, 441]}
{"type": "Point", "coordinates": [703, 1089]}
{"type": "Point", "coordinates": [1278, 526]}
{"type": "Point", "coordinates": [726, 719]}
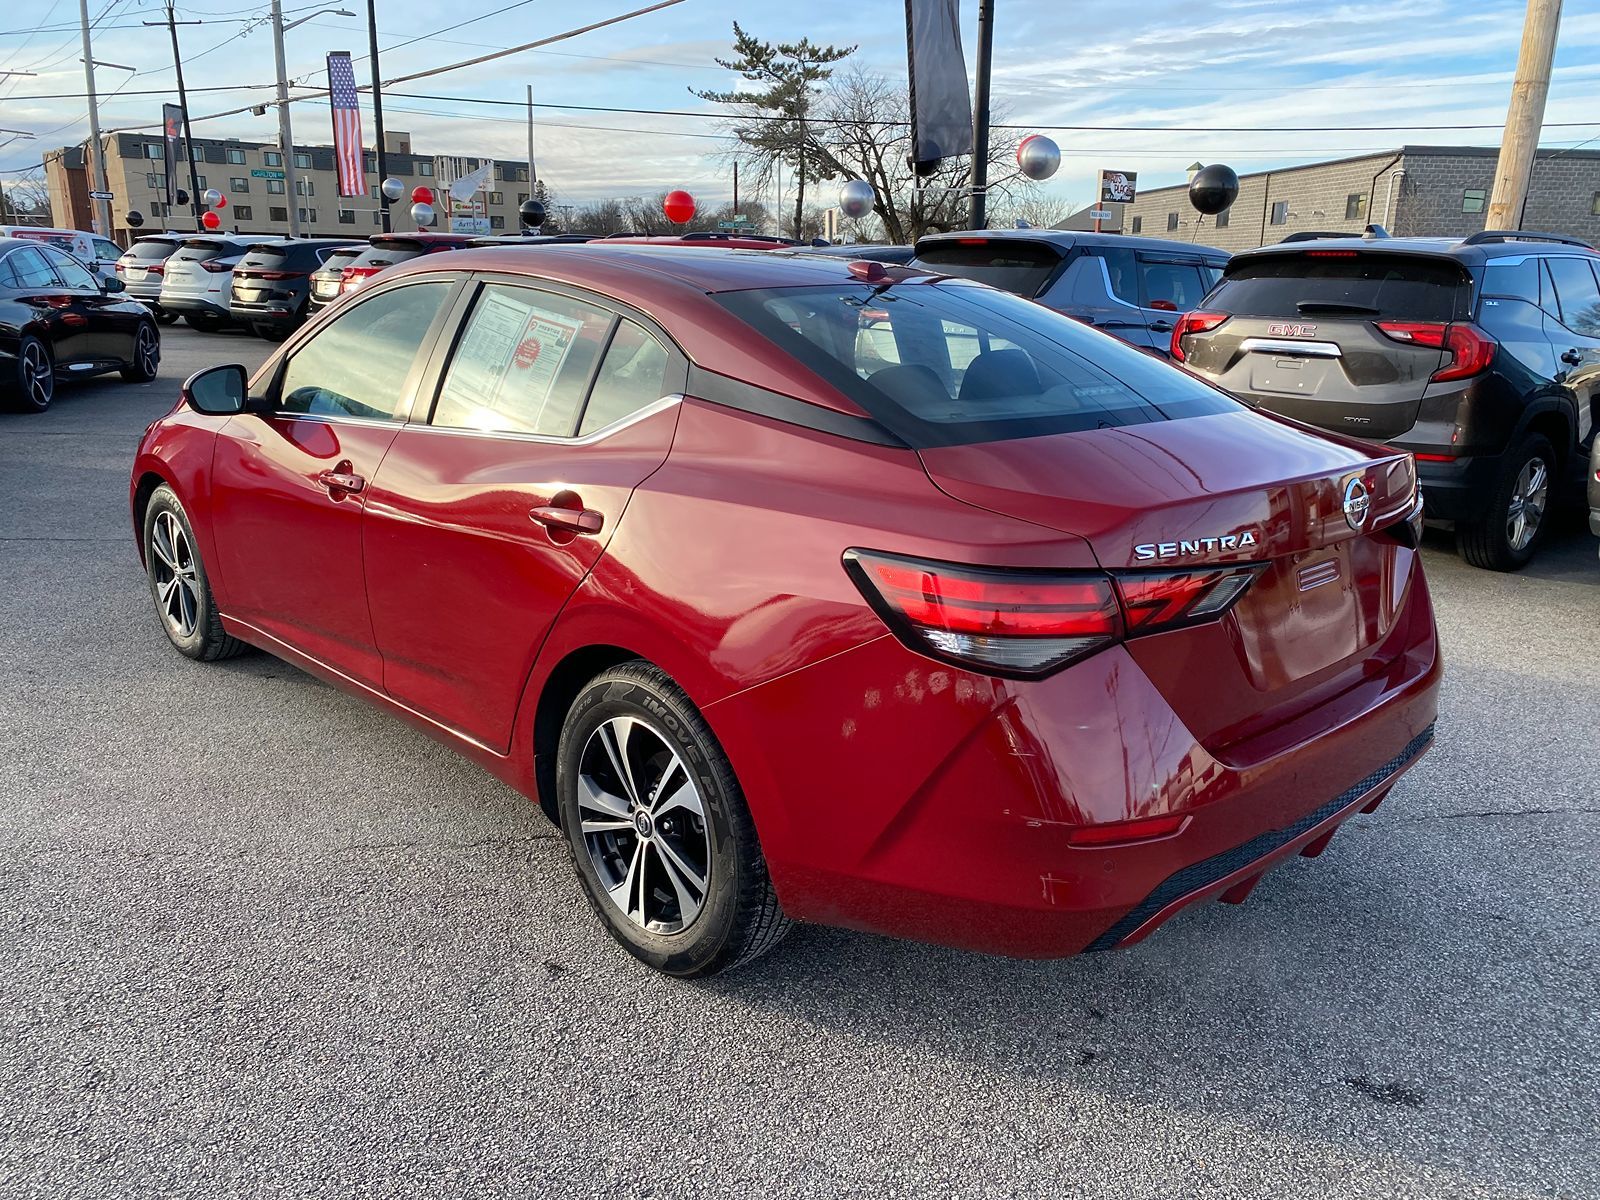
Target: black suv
{"type": "Point", "coordinates": [1481, 356]}
{"type": "Point", "coordinates": [272, 283]}
{"type": "Point", "coordinates": [1134, 288]}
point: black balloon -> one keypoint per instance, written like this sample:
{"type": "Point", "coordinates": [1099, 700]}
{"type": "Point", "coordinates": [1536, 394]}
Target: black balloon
{"type": "Point", "coordinates": [134, 218]}
{"type": "Point", "coordinates": [532, 213]}
{"type": "Point", "coordinates": [1213, 188]}
{"type": "Point", "coordinates": [183, 197]}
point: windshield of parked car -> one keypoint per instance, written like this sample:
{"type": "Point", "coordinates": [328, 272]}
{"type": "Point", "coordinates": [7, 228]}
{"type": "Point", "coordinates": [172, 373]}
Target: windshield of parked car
{"type": "Point", "coordinates": [952, 362]}
{"type": "Point", "coordinates": [1334, 283]}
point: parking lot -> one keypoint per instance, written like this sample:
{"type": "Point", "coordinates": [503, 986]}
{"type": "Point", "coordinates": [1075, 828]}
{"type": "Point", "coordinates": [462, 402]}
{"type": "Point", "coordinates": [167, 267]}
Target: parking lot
{"type": "Point", "coordinates": [258, 938]}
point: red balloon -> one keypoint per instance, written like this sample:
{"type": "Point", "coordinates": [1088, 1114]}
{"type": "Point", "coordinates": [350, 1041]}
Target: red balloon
{"type": "Point", "coordinates": [679, 207]}
{"type": "Point", "coordinates": [210, 220]}
{"type": "Point", "coordinates": [421, 195]}
{"type": "Point", "coordinates": [222, 202]}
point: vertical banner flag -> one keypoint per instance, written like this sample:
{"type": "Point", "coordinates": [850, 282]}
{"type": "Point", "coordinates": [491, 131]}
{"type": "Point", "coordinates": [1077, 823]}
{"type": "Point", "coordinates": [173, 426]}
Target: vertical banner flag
{"type": "Point", "coordinates": [172, 130]}
{"type": "Point", "coordinates": [941, 109]}
{"type": "Point", "coordinates": [347, 152]}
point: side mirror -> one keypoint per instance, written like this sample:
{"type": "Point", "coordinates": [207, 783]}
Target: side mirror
{"type": "Point", "coordinates": [217, 391]}
{"type": "Point", "coordinates": [111, 284]}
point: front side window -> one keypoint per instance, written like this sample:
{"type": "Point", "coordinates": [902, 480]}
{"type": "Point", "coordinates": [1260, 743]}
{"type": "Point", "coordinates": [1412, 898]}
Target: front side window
{"type": "Point", "coordinates": [523, 363]}
{"type": "Point", "coordinates": [974, 364]}
{"type": "Point", "coordinates": [71, 272]}
{"type": "Point", "coordinates": [106, 251]}
{"type": "Point", "coordinates": [31, 269]}
{"type": "Point", "coordinates": [1577, 293]}
{"type": "Point", "coordinates": [632, 376]}
{"type": "Point", "coordinates": [1472, 200]}
{"type": "Point", "coordinates": [357, 366]}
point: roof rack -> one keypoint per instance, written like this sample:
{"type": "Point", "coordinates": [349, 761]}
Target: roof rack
{"type": "Point", "coordinates": [1521, 235]}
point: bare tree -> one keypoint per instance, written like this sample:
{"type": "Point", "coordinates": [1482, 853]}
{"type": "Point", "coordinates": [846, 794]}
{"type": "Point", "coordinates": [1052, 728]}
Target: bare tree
{"type": "Point", "coordinates": [1038, 209]}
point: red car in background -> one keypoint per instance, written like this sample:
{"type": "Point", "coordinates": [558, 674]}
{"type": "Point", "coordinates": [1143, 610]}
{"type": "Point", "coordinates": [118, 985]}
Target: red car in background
{"type": "Point", "coordinates": [797, 588]}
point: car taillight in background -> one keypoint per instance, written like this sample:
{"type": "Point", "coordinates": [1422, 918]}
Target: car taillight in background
{"type": "Point", "coordinates": [1471, 350]}
{"type": "Point", "coordinates": [215, 266]}
{"type": "Point", "coordinates": [1026, 624]}
{"type": "Point", "coordinates": [354, 277]}
{"type": "Point", "coordinates": [1196, 321]}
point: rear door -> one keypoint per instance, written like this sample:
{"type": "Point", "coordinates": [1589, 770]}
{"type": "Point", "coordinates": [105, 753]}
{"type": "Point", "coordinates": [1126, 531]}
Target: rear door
{"type": "Point", "coordinates": [105, 331]}
{"type": "Point", "coordinates": [1575, 337]}
{"type": "Point", "coordinates": [1305, 335]}
{"type": "Point", "coordinates": [63, 322]}
{"type": "Point", "coordinates": [488, 513]}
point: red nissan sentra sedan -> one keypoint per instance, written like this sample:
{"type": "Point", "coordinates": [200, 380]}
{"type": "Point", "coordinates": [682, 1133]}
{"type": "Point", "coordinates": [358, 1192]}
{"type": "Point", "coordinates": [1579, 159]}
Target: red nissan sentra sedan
{"type": "Point", "coordinates": [802, 589]}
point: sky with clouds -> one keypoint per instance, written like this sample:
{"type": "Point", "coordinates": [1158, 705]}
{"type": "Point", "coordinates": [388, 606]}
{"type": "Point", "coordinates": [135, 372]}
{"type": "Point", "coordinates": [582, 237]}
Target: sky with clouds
{"type": "Point", "coordinates": [1180, 68]}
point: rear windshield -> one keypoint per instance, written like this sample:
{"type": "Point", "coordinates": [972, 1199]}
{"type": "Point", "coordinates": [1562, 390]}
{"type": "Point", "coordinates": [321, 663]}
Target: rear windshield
{"type": "Point", "coordinates": [951, 363]}
{"type": "Point", "coordinates": [152, 251]}
{"type": "Point", "coordinates": [1344, 283]}
{"type": "Point", "coordinates": [342, 258]}
{"type": "Point", "coordinates": [1016, 266]}
{"type": "Point", "coordinates": [265, 256]}
{"type": "Point", "coordinates": [386, 256]}
{"type": "Point", "coordinates": [201, 251]}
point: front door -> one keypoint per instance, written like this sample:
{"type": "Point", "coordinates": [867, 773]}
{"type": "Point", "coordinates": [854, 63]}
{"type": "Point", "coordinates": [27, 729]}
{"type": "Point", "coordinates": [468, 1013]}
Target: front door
{"type": "Point", "coordinates": [290, 487]}
{"type": "Point", "coordinates": [486, 516]}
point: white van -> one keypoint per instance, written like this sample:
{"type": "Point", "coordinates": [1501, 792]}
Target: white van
{"type": "Point", "coordinates": [93, 251]}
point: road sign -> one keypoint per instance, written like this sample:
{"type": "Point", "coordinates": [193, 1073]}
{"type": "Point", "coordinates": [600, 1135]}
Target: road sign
{"type": "Point", "coordinates": [258, 173]}
{"type": "Point", "coordinates": [1100, 214]}
{"type": "Point", "coordinates": [736, 223]}
{"type": "Point", "coordinates": [102, 196]}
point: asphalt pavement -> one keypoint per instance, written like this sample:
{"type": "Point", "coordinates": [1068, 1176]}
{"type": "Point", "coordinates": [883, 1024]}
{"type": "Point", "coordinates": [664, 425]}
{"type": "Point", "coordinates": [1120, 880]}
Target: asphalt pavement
{"type": "Point", "coordinates": [258, 939]}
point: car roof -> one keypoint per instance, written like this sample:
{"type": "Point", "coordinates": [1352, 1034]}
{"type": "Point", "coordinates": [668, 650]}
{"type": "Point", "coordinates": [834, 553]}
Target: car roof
{"type": "Point", "coordinates": [1066, 239]}
{"type": "Point", "coordinates": [421, 238]}
{"type": "Point", "coordinates": [1467, 250]}
{"type": "Point", "coordinates": [701, 243]}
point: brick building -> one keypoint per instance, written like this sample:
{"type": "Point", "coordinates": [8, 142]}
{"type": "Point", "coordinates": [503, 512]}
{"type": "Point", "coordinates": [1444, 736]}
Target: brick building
{"type": "Point", "coordinates": [252, 176]}
{"type": "Point", "coordinates": [1413, 191]}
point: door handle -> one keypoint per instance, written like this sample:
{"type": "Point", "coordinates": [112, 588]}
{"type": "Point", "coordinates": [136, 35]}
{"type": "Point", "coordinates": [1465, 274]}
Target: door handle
{"type": "Point", "coordinates": [1160, 326]}
{"type": "Point", "coordinates": [341, 481]}
{"type": "Point", "coordinates": [569, 520]}
{"type": "Point", "coordinates": [1572, 358]}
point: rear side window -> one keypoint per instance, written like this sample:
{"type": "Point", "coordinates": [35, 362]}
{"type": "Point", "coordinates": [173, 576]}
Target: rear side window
{"type": "Point", "coordinates": [523, 363]}
{"type": "Point", "coordinates": [1171, 286]}
{"type": "Point", "coordinates": [1577, 293]}
{"type": "Point", "coordinates": [633, 375]}
{"type": "Point", "coordinates": [1512, 279]}
{"type": "Point", "coordinates": [1014, 265]}
{"type": "Point", "coordinates": [950, 363]}
{"type": "Point", "coordinates": [1344, 283]}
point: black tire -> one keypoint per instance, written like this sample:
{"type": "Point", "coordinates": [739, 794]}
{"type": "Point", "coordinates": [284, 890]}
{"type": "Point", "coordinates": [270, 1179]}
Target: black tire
{"type": "Point", "coordinates": [188, 614]}
{"type": "Point", "coordinates": [166, 318]}
{"type": "Point", "coordinates": [738, 917]}
{"type": "Point", "coordinates": [1488, 541]}
{"type": "Point", "coordinates": [146, 361]}
{"type": "Point", "coordinates": [203, 322]}
{"type": "Point", "coordinates": [33, 382]}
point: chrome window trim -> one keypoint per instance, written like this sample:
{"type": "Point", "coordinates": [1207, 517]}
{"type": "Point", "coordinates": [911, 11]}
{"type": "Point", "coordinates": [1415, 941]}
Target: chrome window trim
{"type": "Point", "coordinates": [551, 439]}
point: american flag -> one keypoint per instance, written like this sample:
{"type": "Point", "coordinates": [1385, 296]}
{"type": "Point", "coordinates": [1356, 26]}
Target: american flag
{"type": "Point", "coordinates": [346, 125]}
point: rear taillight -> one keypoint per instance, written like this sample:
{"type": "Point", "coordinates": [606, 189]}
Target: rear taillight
{"type": "Point", "coordinates": [215, 267]}
{"type": "Point", "coordinates": [1193, 322]}
{"type": "Point", "coordinates": [1025, 624]}
{"type": "Point", "coordinates": [1470, 349]}
{"type": "Point", "coordinates": [352, 277]}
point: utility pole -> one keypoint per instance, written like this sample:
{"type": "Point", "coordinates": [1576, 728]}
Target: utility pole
{"type": "Point", "coordinates": [533, 171]}
{"type": "Point", "coordinates": [980, 117]}
{"type": "Point", "coordinates": [1525, 117]}
{"type": "Point", "coordinates": [172, 24]}
{"type": "Point", "coordinates": [735, 187]}
{"type": "Point", "coordinates": [285, 136]}
{"type": "Point", "coordinates": [377, 107]}
{"type": "Point", "coordinates": [97, 152]}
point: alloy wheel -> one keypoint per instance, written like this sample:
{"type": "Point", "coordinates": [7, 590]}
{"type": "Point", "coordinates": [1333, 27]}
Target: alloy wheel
{"type": "Point", "coordinates": [38, 376]}
{"type": "Point", "coordinates": [173, 569]}
{"type": "Point", "coordinates": [644, 825]}
{"type": "Point", "coordinates": [1526, 509]}
{"type": "Point", "coordinates": [147, 351]}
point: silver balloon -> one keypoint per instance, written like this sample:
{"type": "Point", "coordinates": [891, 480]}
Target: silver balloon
{"type": "Point", "coordinates": [856, 198]}
{"type": "Point", "coordinates": [211, 197]}
{"type": "Point", "coordinates": [393, 189]}
{"type": "Point", "coordinates": [422, 214]}
{"type": "Point", "coordinates": [1039, 157]}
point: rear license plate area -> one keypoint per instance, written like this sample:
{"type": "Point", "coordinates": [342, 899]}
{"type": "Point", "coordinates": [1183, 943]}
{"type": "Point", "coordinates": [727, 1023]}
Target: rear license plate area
{"type": "Point", "coordinates": [1284, 375]}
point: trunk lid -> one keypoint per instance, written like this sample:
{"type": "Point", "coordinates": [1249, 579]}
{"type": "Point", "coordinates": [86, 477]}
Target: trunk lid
{"type": "Point", "coordinates": [1227, 488]}
{"type": "Point", "coordinates": [1304, 338]}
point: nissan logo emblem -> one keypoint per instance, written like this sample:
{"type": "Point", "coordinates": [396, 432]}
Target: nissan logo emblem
{"type": "Point", "coordinates": [1356, 503]}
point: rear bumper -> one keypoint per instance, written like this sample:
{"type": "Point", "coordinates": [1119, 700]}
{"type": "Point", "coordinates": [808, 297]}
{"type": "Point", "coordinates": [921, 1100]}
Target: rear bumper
{"type": "Point", "coordinates": [198, 305]}
{"type": "Point", "coordinates": [286, 312]}
{"type": "Point", "coordinates": [899, 797]}
{"type": "Point", "coordinates": [1457, 490]}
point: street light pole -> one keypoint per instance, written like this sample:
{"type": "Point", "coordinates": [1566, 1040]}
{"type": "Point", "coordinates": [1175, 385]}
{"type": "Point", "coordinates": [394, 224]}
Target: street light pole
{"type": "Point", "coordinates": [285, 136]}
{"type": "Point", "coordinates": [97, 161]}
{"type": "Point", "coordinates": [172, 24]}
{"type": "Point", "coordinates": [980, 117]}
{"type": "Point", "coordinates": [377, 108]}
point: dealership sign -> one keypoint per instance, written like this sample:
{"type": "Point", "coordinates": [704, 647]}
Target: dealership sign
{"type": "Point", "coordinates": [1118, 187]}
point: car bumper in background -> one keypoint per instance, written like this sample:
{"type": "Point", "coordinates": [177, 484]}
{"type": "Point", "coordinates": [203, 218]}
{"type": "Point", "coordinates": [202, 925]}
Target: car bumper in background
{"type": "Point", "coordinates": [199, 305]}
{"type": "Point", "coordinates": [896, 796]}
{"type": "Point", "coordinates": [1458, 489]}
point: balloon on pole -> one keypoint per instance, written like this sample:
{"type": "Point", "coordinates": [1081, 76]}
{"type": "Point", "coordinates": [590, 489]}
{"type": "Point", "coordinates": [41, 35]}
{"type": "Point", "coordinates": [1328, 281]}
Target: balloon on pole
{"type": "Point", "coordinates": [134, 218]}
{"type": "Point", "coordinates": [222, 202]}
{"type": "Point", "coordinates": [393, 189]}
{"type": "Point", "coordinates": [856, 198]}
{"type": "Point", "coordinates": [421, 195]}
{"type": "Point", "coordinates": [422, 212]}
{"type": "Point", "coordinates": [678, 206]}
{"type": "Point", "coordinates": [210, 220]}
{"type": "Point", "coordinates": [1038, 157]}
{"type": "Point", "coordinates": [1213, 189]}
{"type": "Point", "coordinates": [532, 214]}
{"type": "Point", "coordinates": [211, 197]}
